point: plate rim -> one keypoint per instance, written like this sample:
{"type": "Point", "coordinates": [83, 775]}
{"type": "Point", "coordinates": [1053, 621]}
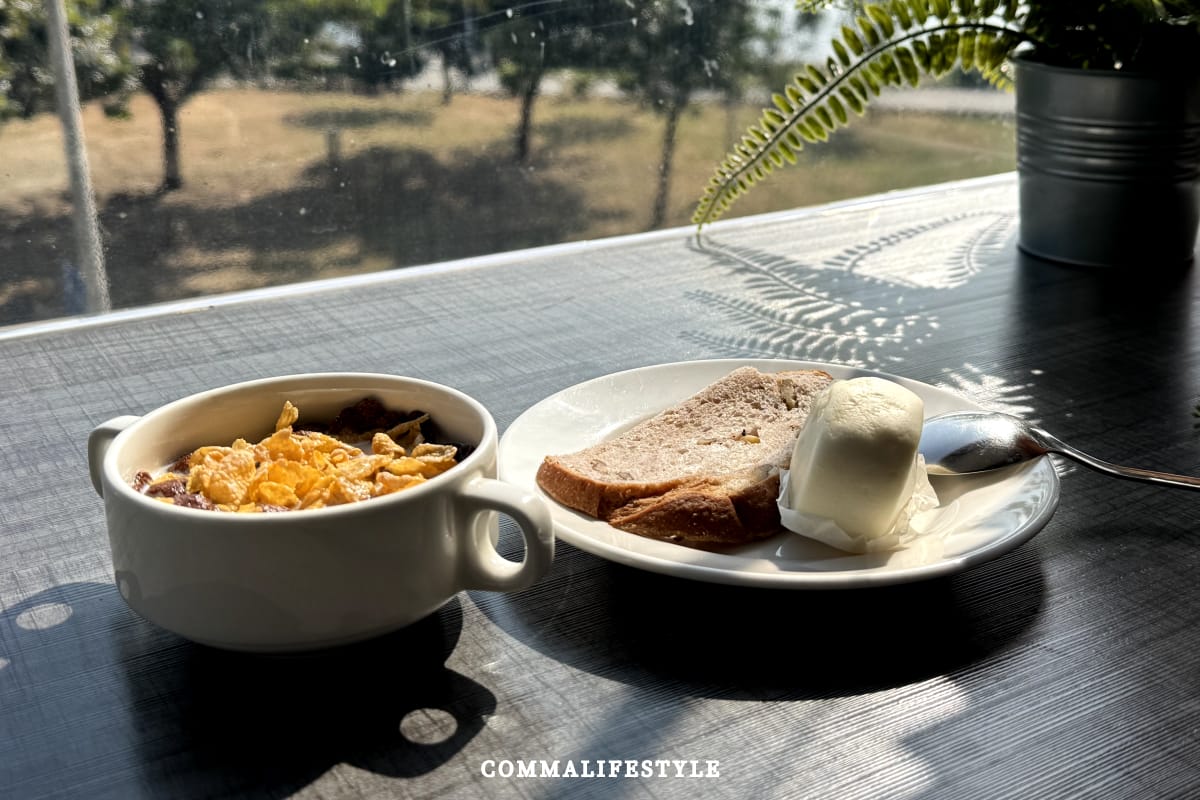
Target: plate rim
{"type": "Point", "coordinates": [832, 579]}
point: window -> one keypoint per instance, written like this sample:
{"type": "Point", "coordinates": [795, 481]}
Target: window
{"type": "Point", "coordinates": [236, 144]}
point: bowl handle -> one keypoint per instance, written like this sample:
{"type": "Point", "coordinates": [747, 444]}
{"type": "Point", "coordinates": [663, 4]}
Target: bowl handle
{"type": "Point", "coordinates": [98, 441]}
{"type": "Point", "coordinates": [483, 567]}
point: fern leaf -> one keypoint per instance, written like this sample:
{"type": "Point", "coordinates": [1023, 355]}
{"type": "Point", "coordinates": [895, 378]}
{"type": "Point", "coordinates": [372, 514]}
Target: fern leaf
{"type": "Point", "coordinates": [882, 20]}
{"type": "Point", "coordinates": [885, 69]}
{"type": "Point", "coordinates": [919, 10]}
{"type": "Point", "coordinates": [864, 85]}
{"type": "Point", "coordinates": [802, 128]}
{"type": "Point", "coordinates": [839, 50]}
{"type": "Point", "coordinates": [938, 51]}
{"type": "Point", "coordinates": [823, 113]}
{"type": "Point", "coordinates": [966, 51]}
{"type": "Point", "coordinates": [813, 6]}
{"type": "Point", "coordinates": [839, 110]}
{"type": "Point", "coordinates": [923, 56]}
{"type": "Point", "coordinates": [852, 99]}
{"type": "Point", "coordinates": [908, 66]}
{"type": "Point", "coordinates": [852, 41]}
{"type": "Point", "coordinates": [892, 43]}
{"type": "Point", "coordinates": [870, 35]}
{"type": "Point", "coordinates": [817, 127]}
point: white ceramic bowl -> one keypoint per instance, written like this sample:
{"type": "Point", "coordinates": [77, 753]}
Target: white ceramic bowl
{"type": "Point", "coordinates": [301, 580]}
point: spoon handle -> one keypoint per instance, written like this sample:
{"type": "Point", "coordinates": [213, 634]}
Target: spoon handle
{"type": "Point", "coordinates": [1131, 473]}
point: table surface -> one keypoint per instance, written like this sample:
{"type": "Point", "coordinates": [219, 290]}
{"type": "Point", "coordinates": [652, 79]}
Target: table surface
{"type": "Point", "coordinates": [1066, 668]}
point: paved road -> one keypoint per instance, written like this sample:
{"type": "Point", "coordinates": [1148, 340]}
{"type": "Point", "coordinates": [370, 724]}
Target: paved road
{"type": "Point", "coordinates": [967, 101]}
{"type": "Point", "coordinates": [927, 99]}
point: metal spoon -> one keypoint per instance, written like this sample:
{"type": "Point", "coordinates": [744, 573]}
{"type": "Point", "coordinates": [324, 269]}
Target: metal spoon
{"type": "Point", "coordinates": [963, 442]}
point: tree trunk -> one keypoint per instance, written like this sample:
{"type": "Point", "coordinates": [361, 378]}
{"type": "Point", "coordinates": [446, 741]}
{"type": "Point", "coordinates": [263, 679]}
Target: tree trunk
{"type": "Point", "coordinates": [447, 86]}
{"type": "Point", "coordinates": [168, 101]}
{"type": "Point", "coordinates": [523, 128]}
{"type": "Point", "coordinates": [659, 215]}
{"type": "Point", "coordinates": [172, 179]}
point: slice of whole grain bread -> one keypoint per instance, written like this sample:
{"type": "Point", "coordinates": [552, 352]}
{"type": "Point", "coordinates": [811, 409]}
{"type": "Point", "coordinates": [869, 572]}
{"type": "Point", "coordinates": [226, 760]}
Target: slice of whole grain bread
{"type": "Point", "coordinates": [703, 472]}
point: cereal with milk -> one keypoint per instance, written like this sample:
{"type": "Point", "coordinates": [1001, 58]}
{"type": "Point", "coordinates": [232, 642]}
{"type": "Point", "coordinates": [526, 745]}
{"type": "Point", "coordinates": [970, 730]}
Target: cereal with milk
{"type": "Point", "coordinates": [304, 469]}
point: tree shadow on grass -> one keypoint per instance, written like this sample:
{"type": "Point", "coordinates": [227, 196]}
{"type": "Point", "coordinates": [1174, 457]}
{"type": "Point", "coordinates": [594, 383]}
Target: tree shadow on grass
{"type": "Point", "coordinates": [382, 208]}
{"type": "Point", "coordinates": [330, 118]}
{"type": "Point", "coordinates": [573, 130]}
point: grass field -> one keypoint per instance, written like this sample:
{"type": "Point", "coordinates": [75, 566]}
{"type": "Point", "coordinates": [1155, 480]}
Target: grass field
{"type": "Point", "coordinates": [288, 186]}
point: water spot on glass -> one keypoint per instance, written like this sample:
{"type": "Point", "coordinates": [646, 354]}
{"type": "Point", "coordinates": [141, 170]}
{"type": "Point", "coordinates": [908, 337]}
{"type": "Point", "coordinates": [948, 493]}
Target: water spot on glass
{"type": "Point", "coordinates": [303, 212]}
{"type": "Point", "coordinates": [4, 662]}
{"type": "Point", "coordinates": [199, 15]}
{"type": "Point", "coordinates": [44, 616]}
{"type": "Point", "coordinates": [428, 726]}
{"type": "Point", "coordinates": [688, 17]}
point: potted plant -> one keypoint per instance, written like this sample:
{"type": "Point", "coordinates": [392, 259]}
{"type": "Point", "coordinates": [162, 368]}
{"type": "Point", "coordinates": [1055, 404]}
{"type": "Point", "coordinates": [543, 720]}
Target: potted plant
{"type": "Point", "coordinates": [1108, 112]}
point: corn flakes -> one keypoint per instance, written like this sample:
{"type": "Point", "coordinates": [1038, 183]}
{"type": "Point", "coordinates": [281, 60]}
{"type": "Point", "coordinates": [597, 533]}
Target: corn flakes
{"type": "Point", "coordinates": [302, 469]}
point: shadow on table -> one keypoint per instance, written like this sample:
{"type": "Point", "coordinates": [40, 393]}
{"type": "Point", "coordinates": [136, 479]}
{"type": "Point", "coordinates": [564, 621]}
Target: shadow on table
{"type": "Point", "coordinates": [1099, 339]}
{"type": "Point", "coordinates": [91, 693]}
{"type": "Point", "coordinates": [748, 643]}
{"type": "Point", "coordinates": [1148, 303]}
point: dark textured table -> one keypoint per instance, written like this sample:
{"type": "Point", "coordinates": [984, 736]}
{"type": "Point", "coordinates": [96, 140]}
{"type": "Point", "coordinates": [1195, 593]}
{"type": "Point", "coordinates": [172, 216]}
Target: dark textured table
{"type": "Point", "coordinates": [1067, 668]}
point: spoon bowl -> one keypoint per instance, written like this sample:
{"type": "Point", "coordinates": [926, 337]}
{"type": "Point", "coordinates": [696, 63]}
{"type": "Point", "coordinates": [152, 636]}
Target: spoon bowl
{"type": "Point", "coordinates": [967, 442]}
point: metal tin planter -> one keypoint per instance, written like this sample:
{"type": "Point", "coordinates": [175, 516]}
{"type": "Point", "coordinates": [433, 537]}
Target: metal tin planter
{"type": "Point", "coordinates": [1108, 165]}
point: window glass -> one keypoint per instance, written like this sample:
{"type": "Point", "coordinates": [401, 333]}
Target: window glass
{"type": "Point", "coordinates": [236, 144]}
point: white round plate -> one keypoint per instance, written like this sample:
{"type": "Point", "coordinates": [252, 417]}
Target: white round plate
{"type": "Point", "coordinates": [981, 517]}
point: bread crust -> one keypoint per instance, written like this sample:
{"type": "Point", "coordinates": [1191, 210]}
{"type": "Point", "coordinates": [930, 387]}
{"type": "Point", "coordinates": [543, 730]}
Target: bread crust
{"type": "Point", "coordinates": [730, 498]}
